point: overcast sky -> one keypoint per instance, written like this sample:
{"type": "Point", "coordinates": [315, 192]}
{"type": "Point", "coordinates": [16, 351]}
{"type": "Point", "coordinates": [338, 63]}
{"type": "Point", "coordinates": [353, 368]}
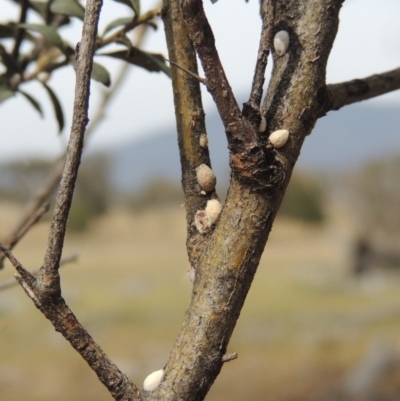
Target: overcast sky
{"type": "Point", "coordinates": [367, 43]}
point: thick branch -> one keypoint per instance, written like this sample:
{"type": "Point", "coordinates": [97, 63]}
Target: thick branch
{"type": "Point", "coordinates": [242, 136]}
{"type": "Point", "coordinates": [345, 93]}
{"type": "Point", "coordinates": [228, 265]}
{"type": "Point", "coordinates": [190, 120]}
{"type": "Point", "coordinates": [48, 277]}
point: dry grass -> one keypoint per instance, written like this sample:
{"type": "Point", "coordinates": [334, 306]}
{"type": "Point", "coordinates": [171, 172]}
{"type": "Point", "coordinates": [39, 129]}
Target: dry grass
{"type": "Point", "coordinates": [305, 322]}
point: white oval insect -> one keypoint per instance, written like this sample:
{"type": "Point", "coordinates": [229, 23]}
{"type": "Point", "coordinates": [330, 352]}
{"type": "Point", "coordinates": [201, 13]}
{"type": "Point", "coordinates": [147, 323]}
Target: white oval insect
{"type": "Point", "coordinates": [279, 138]}
{"type": "Point", "coordinates": [213, 210]}
{"type": "Point", "coordinates": [191, 273]}
{"type": "Point", "coordinates": [203, 141]}
{"type": "Point", "coordinates": [202, 221]}
{"type": "Point", "coordinates": [206, 178]}
{"type": "Point", "coordinates": [281, 42]}
{"type": "Point", "coordinates": [153, 380]}
{"type": "Point", "coordinates": [263, 125]}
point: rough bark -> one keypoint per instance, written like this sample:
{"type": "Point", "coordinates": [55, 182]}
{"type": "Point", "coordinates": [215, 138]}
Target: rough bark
{"type": "Point", "coordinates": [228, 264]}
{"type": "Point", "coordinates": [226, 258]}
{"type": "Point", "coordinates": [190, 121]}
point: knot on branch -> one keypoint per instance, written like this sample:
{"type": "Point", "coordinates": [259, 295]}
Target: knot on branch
{"type": "Point", "coordinates": [250, 166]}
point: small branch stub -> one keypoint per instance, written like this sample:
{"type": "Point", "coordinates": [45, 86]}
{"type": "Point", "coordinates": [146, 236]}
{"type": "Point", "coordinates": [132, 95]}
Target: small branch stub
{"type": "Point", "coordinates": [153, 380]}
{"type": "Point", "coordinates": [229, 357]}
{"type": "Point", "coordinates": [281, 43]}
{"type": "Point", "coordinates": [206, 178]}
{"type": "Point", "coordinates": [279, 138]}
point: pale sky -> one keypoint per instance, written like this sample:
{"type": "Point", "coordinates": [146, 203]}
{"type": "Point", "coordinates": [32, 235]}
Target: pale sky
{"type": "Point", "coordinates": [367, 42]}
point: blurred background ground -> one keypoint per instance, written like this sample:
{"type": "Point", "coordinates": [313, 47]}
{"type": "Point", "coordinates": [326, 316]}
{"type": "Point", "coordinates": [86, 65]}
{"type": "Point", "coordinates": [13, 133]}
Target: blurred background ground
{"type": "Point", "coordinates": [311, 328]}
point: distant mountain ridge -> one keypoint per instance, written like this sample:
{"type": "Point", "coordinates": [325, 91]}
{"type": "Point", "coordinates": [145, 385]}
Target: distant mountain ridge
{"type": "Point", "coordinates": [340, 141]}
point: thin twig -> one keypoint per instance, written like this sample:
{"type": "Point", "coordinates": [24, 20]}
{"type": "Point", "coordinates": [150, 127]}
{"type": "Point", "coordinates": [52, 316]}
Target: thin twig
{"type": "Point", "coordinates": [19, 33]}
{"type": "Point", "coordinates": [190, 121]}
{"type": "Point", "coordinates": [64, 260]}
{"type": "Point", "coordinates": [192, 74]}
{"type": "Point", "coordinates": [247, 158]}
{"type": "Point", "coordinates": [23, 227]}
{"type": "Point", "coordinates": [25, 274]}
{"type": "Point", "coordinates": [48, 276]}
{"type": "Point", "coordinates": [149, 15]}
{"type": "Point", "coordinates": [268, 13]}
{"type": "Point", "coordinates": [356, 90]}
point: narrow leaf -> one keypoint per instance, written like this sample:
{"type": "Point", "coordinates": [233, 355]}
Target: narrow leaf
{"type": "Point", "coordinates": [136, 7]}
{"type": "Point", "coordinates": [124, 40]}
{"type": "Point", "coordinates": [48, 32]}
{"type": "Point", "coordinates": [68, 7]}
{"type": "Point", "coordinates": [100, 74]}
{"type": "Point", "coordinates": [152, 24]}
{"type": "Point", "coordinates": [116, 23]}
{"type": "Point", "coordinates": [133, 4]}
{"type": "Point", "coordinates": [32, 101]}
{"type": "Point", "coordinates": [150, 61]}
{"type": "Point", "coordinates": [5, 93]}
{"type": "Point", "coordinates": [57, 107]}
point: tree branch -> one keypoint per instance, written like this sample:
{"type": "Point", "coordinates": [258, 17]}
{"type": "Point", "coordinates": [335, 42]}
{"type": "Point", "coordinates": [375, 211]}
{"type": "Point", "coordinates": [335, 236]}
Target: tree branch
{"type": "Point", "coordinates": [66, 323]}
{"type": "Point", "coordinates": [356, 90]}
{"type": "Point", "coordinates": [148, 16]}
{"type": "Point", "coordinates": [251, 109]}
{"type": "Point", "coordinates": [190, 121]}
{"type": "Point", "coordinates": [227, 266]}
{"type": "Point", "coordinates": [48, 278]}
{"type": "Point", "coordinates": [64, 260]}
{"type": "Point", "coordinates": [242, 136]}
{"type": "Point", "coordinates": [23, 226]}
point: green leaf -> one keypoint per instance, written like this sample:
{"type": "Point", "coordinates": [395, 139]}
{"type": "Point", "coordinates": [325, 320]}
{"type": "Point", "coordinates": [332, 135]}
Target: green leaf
{"type": "Point", "coordinates": [133, 4]}
{"type": "Point", "coordinates": [124, 40]}
{"type": "Point", "coordinates": [136, 7]}
{"type": "Point", "coordinates": [68, 7]}
{"type": "Point", "coordinates": [32, 101]}
{"type": "Point", "coordinates": [48, 32]}
{"type": "Point", "coordinates": [152, 24]}
{"type": "Point", "coordinates": [116, 23]}
{"type": "Point", "coordinates": [57, 107]}
{"type": "Point", "coordinates": [150, 61]}
{"type": "Point", "coordinates": [100, 74]}
{"type": "Point", "coordinates": [5, 93]}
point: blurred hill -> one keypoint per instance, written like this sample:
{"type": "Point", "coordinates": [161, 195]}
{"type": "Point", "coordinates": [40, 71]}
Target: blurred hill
{"type": "Point", "coordinates": [340, 141]}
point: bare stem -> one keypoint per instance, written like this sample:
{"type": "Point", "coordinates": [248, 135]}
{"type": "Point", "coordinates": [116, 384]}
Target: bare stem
{"type": "Point", "coordinates": [48, 277]}
{"type": "Point", "coordinates": [356, 90]}
{"type": "Point", "coordinates": [254, 102]}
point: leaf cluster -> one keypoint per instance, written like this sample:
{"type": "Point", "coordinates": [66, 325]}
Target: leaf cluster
{"type": "Point", "coordinates": [45, 50]}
